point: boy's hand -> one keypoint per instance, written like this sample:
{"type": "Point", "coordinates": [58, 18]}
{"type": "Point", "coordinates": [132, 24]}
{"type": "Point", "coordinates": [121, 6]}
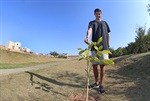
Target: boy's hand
{"type": "Point", "coordinates": [86, 41]}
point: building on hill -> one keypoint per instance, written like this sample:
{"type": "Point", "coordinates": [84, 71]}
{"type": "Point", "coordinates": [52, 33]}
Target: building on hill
{"type": "Point", "coordinates": [24, 49]}
{"type": "Point", "coordinates": [16, 46]}
{"type": "Point", "coordinates": [13, 45]}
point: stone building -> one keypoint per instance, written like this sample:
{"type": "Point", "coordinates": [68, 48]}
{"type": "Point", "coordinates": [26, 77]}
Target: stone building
{"type": "Point", "coordinates": [13, 45]}
{"type": "Point", "coordinates": [16, 46]}
{"type": "Point", "coordinates": [25, 49]}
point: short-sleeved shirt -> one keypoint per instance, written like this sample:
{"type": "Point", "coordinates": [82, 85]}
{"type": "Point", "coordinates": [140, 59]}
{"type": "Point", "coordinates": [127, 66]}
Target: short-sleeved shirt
{"type": "Point", "coordinates": [100, 29]}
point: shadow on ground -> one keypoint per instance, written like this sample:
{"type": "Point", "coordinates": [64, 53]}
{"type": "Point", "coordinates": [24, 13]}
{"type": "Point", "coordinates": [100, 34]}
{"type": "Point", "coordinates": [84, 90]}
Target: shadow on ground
{"type": "Point", "coordinates": [134, 79]}
{"type": "Point", "coordinates": [77, 81]}
{"type": "Point", "coordinates": [65, 76]}
{"type": "Point", "coordinates": [58, 76]}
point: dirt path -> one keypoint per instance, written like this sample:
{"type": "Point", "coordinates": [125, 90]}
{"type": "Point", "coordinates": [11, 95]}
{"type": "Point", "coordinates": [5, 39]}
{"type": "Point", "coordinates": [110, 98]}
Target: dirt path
{"type": "Point", "coordinates": [18, 70]}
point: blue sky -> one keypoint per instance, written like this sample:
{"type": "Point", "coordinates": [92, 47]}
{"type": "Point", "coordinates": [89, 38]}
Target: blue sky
{"type": "Point", "coordinates": [61, 25]}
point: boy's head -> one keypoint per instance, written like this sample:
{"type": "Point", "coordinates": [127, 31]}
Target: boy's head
{"type": "Point", "coordinates": [97, 13]}
{"type": "Point", "coordinates": [97, 10]}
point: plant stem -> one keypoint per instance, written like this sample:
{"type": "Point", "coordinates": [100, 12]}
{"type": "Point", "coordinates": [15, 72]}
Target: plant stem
{"type": "Point", "coordinates": [87, 90]}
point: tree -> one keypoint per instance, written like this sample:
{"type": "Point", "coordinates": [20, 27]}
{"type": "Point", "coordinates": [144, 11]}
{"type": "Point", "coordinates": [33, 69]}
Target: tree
{"type": "Point", "coordinates": [63, 55]}
{"type": "Point", "coordinates": [132, 48]}
{"type": "Point", "coordinates": [148, 39]}
{"type": "Point", "coordinates": [54, 53]}
{"type": "Point", "coordinates": [84, 54]}
{"type": "Point", "coordinates": [140, 40]}
{"type": "Point", "coordinates": [124, 51]}
{"type": "Point", "coordinates": [119, 51]}
{"type": "Point", "coordinates": [113, 53]}
{"type": "Point", "coordinates": [148, 8]}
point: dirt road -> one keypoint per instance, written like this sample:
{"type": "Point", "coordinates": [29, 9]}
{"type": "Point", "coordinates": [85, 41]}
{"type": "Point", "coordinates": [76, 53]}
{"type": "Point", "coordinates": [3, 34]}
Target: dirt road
{"type": "Point", "coordinates": [18, 70]}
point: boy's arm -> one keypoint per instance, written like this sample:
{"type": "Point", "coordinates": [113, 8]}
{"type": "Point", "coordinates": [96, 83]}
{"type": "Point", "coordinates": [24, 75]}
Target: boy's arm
{"type": "Point", "coordinates": [88, 36]}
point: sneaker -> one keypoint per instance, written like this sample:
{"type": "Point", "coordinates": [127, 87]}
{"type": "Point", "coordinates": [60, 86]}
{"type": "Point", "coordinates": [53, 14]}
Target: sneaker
{"type": "Point", "coordinates": [95, 85]}
{"type": "Point", "coordinates": [101, 90]}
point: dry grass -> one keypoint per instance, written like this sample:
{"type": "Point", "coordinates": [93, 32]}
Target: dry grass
{"type": "Point", "coordinates": [55, 83]}
{"type": "Point", "coordinates": [128, 80]}
{"type": "Point", "coordinates": [9, 59]}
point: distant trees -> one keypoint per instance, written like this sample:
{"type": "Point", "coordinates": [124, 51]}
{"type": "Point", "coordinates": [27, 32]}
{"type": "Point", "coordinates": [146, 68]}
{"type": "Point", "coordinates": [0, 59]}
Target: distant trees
{"type": "Point", "coordinates": [55, 54]}
{"type": "Point", "coordinates": [141, 44]}
{"type": "Point", "coordinates": [119, 52]}
{"type": "Point", "coordinates": [141, 41]}
{"type": "Point", "coordinates": [148, 8]}
{"type": "Point", "coordinates": [62, 55]}
{"type": "Point", "coordinates": [148, 39]}
{"type": "Point", "coordinates": [131, 48]}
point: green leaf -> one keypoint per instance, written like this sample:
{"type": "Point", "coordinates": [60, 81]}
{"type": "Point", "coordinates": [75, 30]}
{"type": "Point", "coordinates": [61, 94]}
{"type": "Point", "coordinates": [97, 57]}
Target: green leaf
{"type": "Point", "coordinates": [90, 46]}
{"type": "Point", "coordinates": [86, 53]}
{"type": "Point", "coordinates": [89, 59]}
{"type": "Point", "coordinates": [95, 47]}
{"type": "Point", "coordinates": [96, 59]}
{"type": "Point", "coordinates": [81, 52]}
{"type": "Point", "coordinates": [106, 52]}
{"type": "Point", "coordinates": [81, 57]}
{"type": "Point", "coordinates": [79, 48]}
{"type": "Point", "coordinates": [99, 41]}
{"type": "Point", "coordinates": [99, 53]}
{"type": "Point", "coordinates": [94, 43]}
{"type": "Point", "coordinates": [108, 62]}
{"type": "Point", "coordinates": [100, 47]}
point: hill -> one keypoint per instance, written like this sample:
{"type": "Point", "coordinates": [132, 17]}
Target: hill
{"type": "Point", "coordinates": [127, 80]}
{"type": "Point", "coordinates": [134, 64]}
{"type": "Point", "coordinates": [10, 59]}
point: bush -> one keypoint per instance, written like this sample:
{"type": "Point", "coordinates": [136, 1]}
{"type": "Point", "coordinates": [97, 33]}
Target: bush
{"type": "Point", "coordinates": [62, 56]}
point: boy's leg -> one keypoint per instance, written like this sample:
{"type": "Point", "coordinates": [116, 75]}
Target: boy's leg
{"type": "Point", "coordinates": [95, 66]}
{"type": "Point", "coordinates": [102, 74]}
{"type": "Point", "coordinates": [102, 68]}
{"type": "Point", "coordinates": [95, 72]}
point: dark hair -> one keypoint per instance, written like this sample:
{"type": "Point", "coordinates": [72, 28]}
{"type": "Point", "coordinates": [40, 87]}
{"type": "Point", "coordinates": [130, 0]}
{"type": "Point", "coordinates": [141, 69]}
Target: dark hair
{"type": "Point", "coordinates": [97, 10]}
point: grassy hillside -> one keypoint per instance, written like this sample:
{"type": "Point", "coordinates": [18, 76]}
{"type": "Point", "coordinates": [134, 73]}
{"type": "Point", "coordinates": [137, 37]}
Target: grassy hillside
{"type": "Point", "coordinates": [134, 65]}
{"type": "Point", "coordinates": [127, 80]}
{"type": "Point", "coordinates": [9, 59]}
{"type": "Point", "coordinates": [131, 75]}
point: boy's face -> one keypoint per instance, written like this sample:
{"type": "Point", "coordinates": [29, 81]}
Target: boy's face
{"type": "Point", "coordinates": [97, 15]}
